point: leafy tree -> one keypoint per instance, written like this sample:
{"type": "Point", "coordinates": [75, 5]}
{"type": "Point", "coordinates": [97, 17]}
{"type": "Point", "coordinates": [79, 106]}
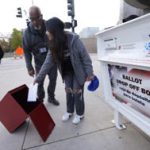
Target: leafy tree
{"type": "Point", "coordinates": [5, 45]}
{"type": "Point", "coordinates": [16, 39]}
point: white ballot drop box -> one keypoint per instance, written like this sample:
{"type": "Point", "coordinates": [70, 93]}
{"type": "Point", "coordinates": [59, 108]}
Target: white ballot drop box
{"type": "Point", "coordinates": [124, 55]}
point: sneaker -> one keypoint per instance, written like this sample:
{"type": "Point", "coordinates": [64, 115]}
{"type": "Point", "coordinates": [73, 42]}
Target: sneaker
{"type": "Point", "coordinates": [77, 119]}
{"type": "Point", "coordinates": [66, 116]}
{"type": "Point", "coordinates": [40, 100]}
{"type": "Point", "coordinates": [53, 101]}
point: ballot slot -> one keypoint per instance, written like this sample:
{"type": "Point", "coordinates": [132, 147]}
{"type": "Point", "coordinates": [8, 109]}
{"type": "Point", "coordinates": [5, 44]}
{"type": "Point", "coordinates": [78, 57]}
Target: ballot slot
{"type": "Point", "coordinates": [21, 98]}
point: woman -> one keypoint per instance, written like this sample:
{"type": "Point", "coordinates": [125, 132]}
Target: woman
{"type": "Point", "coordinates": [74, 64]}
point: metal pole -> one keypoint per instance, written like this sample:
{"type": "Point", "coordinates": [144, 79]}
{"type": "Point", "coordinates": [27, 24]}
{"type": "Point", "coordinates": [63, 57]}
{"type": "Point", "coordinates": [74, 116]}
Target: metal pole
{"type": "Point", "coordinates": [32, 2]}
{"type": "Point", "coordinates": [73, 30]}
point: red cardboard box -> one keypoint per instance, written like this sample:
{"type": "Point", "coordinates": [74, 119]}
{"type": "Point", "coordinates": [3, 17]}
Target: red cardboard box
{"type": "Point", "coordinates": [14, 110]}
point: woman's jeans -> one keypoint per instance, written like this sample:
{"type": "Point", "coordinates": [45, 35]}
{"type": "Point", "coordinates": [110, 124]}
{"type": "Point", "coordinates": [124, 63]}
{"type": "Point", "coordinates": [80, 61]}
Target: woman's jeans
{"type": "Point", "coordinates": [74, 94]}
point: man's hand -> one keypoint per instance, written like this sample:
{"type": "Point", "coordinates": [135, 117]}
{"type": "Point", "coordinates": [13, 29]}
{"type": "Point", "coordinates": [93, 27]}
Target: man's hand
{"type": "Point", "coordinates": [31, 72]}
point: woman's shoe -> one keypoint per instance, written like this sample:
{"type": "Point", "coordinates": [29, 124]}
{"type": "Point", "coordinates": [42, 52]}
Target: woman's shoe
{"type": "Point", "coordinates": [77, 119]}
{"type": "Point", "coordinates": [66, 116]}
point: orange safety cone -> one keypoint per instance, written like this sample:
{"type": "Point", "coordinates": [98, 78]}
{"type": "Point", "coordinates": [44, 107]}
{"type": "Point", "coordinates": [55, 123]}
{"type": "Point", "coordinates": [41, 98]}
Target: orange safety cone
{"type": "Point", "coordinates": [19, 52]}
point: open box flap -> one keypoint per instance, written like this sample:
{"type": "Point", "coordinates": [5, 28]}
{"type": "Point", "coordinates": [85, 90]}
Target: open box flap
{"type": "Point", "coordinates": [18, 89]}
{"type": "Point", "coordinates": [11, 114]}
{"type": "Point", "coordinates": [42, 121]}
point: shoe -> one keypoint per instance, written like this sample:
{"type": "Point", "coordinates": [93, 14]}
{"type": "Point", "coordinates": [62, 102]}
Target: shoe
{"type": "Point", "coordinates": [40, 100]}
{"type": "Point", "coordinates": [53, 101]}
{"type": "Point", "coordinates": [77, 119]}
{"type": "Point", "coordinates": [66, 116]}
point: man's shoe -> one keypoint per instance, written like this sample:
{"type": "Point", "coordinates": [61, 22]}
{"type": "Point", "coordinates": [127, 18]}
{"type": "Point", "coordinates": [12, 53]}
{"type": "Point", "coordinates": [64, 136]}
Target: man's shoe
{"type": "Point", "coordinates": [53, 101]}
{"type": "Point", "coordinates": [40, 100]}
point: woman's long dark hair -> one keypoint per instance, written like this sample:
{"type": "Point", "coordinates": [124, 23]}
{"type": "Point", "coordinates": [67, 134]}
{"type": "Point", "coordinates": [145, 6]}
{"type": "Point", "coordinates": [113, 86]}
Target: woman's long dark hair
{"type": "Point", "coordinates": [59, 42]}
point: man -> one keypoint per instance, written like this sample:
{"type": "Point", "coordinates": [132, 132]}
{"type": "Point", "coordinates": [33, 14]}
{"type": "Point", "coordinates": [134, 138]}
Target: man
{"type": "Point", "coordinates": [35, 43]}
{"type": "Point", "coordinates": [1, 53]}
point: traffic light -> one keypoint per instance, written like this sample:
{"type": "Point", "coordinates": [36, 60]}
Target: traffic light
{"type": "Point", "coordinates": [71, 11]}
{"type": "Point", "coordinates": [19, 12]}
{"type": "Point", "coordinates": [27, 22]}
{"type": "Point", "coordinates": [74, 23]}
{"type": "Point", "coordinates": [68, 25]}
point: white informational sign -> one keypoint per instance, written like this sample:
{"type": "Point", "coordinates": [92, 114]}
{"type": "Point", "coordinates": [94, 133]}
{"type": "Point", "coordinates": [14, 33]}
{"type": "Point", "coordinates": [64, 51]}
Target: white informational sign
{"type": "Point", "coordinates": [131, 86]}
{"type": "Point", "coordinates": [32, 93]}
{"type": "Point", "coordinates": [110, 44]}
{"type": "Point", "coordinates": [128, 53]}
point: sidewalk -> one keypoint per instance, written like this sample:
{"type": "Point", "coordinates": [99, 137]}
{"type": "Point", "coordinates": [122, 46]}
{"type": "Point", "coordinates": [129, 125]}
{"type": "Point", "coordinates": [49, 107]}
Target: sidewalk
{"type": "Point", "coordinates": [95, 132]}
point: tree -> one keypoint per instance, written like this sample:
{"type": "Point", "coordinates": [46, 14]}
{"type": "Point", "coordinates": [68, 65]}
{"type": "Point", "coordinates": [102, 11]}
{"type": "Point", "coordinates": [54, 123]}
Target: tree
{"type": "Point", "coordinates": [16, 39]}
{"type": "Point", "coordinates": [5, 45]}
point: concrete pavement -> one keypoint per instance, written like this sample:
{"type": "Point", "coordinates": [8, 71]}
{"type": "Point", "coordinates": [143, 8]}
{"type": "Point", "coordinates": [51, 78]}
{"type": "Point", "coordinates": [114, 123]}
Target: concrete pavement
{"type": "Point", "coordinates": [95, 132]}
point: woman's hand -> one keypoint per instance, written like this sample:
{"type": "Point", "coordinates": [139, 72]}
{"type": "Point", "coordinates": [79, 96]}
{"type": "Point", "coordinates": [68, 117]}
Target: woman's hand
{"type": "Point", "coordinates": [89, 78]}
{"type": "Point", "coordinates": [34, 82]}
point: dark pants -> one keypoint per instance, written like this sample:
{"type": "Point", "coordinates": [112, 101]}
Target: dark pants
{"type": "Point", "coordinates": [52, 75]}
{"type": "Point", "coordinates": [1, 54]}
{"type": "Point", "coordinates": [74, 94]}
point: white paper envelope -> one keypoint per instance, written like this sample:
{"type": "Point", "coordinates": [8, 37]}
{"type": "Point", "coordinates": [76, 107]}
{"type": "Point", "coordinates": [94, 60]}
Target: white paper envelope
{"type": "Point", "coordinates": [32, 93]}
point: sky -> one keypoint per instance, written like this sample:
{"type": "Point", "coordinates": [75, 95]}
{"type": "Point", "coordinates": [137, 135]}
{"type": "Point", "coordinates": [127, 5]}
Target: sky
{"type": "Point", "coordinates": [88, 13]}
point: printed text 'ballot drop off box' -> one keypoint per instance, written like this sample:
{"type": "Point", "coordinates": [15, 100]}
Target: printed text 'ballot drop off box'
{"type": "Point", "coordinates": [14, 110]}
